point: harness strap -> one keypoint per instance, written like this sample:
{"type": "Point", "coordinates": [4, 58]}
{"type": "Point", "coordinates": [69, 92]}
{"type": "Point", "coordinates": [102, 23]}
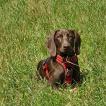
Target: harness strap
{"type": "Point", "coordinates": [59, 59]}
{"type": "Point", "coordinates": [46, 72]}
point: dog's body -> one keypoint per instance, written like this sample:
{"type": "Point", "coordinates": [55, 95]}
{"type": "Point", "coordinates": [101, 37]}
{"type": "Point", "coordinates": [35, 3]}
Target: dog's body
{"type": "Point", "coordinates": [55, 70]}
{"type": "Point", "coordinates": [62, 44]}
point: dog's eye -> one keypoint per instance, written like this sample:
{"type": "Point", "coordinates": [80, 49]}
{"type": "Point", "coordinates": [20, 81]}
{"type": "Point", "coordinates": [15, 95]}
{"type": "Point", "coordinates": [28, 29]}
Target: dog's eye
{"type": "Point", "coordinates": [70, 37]}
{"type": "Point", "coordinates": [60, 36]}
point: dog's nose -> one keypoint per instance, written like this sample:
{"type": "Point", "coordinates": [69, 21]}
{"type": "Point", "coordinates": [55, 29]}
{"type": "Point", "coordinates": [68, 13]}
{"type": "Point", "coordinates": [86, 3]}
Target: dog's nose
{"type": "Point", "coordinates": [66, 47]}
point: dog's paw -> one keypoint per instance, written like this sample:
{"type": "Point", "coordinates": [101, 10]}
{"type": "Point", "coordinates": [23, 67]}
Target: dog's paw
{"type": "Point", "coordinates": [74, 89]}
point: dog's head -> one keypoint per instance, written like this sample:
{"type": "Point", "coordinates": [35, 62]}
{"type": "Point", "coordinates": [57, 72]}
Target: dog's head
{"type": "Point", "coordinates": [64, 42]}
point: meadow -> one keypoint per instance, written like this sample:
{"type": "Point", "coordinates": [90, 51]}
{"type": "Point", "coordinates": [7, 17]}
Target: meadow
{"type": "Point", "coordinates": [24, 27]}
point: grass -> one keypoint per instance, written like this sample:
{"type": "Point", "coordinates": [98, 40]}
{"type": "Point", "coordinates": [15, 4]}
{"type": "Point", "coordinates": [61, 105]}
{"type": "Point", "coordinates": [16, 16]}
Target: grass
{"type": "Point", "coordinates": [24, 26]}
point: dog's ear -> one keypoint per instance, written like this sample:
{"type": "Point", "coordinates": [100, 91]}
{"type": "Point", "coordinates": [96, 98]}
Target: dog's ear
{"type": "Point", "coordinates": [77, 43]}
{"type": "Point", "coordinates": [51, 44]}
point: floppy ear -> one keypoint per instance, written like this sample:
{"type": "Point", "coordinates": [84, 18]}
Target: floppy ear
{"type": "Point", "coordinates": [77, 43]}
{"type": "Point", "coordinates": [51, 44]}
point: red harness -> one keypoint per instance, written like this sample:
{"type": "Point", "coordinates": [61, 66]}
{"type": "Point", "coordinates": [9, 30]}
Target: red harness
{"type": "Point", "coordinates": [67, 63]}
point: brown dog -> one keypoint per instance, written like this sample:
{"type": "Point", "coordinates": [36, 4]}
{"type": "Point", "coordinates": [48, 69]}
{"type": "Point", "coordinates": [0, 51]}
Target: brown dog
{"type": "Point", "coordinates": [62, 66]}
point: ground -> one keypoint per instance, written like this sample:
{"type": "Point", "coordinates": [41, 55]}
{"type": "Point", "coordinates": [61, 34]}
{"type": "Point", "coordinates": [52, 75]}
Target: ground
{"type": "Point", "coordinates": [24, 27]}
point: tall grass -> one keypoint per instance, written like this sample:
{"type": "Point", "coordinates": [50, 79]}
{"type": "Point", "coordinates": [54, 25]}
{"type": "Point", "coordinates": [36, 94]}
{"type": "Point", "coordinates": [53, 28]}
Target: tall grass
{"type": "Point", "coordinates": [24, 26]}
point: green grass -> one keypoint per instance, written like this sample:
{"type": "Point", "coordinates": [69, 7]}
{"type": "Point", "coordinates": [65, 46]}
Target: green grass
{"type": "Point", "coordinates": [24, 26]}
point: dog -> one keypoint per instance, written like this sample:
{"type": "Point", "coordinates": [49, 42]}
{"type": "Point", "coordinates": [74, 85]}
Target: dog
{"type": "Point", "coordinates": [62, 66]}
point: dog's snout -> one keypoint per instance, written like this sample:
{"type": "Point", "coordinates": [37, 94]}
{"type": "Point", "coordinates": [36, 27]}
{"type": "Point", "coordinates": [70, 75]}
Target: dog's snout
{"type": "Point", "coordinates": [66, 45]}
